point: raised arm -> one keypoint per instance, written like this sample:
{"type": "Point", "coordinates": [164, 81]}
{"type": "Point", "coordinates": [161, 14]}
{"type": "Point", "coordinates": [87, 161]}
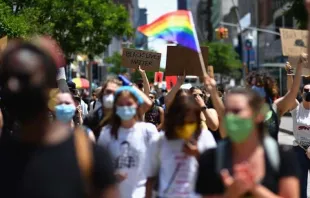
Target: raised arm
{"type": "Point", "coordinates": [289, 102]}
{"type": "Point", "coordinates": [211, 116]}
{"type": "Point", "coordinates": [171, 95]}
{"type": "Point", "coordinates": [147, 103]}
{"type": "Point", "coordinates": [210, 85]}
{"type": "Point", "coordinates": [289, 77]}
{"type": "Point", "coordinates": [146, 84]}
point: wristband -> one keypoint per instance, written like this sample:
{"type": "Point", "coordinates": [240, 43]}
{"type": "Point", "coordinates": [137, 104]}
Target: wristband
{"type": "Point", "coordinates": [204, 108]}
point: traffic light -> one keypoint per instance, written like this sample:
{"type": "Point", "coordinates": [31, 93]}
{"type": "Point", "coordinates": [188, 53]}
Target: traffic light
{"type": "Point", "coordinates": [225, 33]}
{"type": "Point", "coordinates": [221, 33]}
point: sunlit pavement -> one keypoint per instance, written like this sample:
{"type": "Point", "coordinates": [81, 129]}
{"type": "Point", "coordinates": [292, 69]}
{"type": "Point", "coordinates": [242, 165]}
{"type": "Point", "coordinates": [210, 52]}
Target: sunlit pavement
{"type": "Point", "coordinates": [287, 137]}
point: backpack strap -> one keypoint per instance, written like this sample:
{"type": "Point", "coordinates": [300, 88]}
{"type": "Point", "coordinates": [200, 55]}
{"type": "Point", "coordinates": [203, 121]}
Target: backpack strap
{"type": "Point", "coordinates": [83, 148]}
{"type": "Point", "coordinates": [272, 152]}
{"type": "Point", "coordinates": [221, 156]}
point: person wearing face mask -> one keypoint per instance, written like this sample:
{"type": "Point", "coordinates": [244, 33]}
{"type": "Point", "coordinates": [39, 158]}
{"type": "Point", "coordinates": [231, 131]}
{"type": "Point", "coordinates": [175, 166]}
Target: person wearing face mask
{"type": "Point", "coordinates": [68, 113]}
{"type": "Point", "coordinates": [156, 114]}
{"type": "Point", "coordinates": [249, 163]}
{"type": "Point", "coordinates": [127, 138]}
{"type": "Point", "coordinates": [172, 157]}
{"type": "Point", "coordinates": [42, 160]}
{"type": "Point", "coordinates": [262, 83]}
{"type": "Point", "coordinates": [100, 116]}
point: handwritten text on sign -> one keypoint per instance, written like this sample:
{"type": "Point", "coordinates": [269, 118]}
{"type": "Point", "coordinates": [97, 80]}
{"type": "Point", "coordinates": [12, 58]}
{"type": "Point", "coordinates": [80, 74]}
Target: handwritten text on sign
{"type": "Point", "coordinates": [294, 42]}
{"type": "Point", "coordinates": [149, 61]}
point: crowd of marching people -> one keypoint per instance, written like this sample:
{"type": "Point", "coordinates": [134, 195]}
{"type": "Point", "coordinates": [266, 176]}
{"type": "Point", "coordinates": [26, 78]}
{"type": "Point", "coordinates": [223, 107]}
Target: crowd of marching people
{"type": "Point", "coordinates": [134, 141]}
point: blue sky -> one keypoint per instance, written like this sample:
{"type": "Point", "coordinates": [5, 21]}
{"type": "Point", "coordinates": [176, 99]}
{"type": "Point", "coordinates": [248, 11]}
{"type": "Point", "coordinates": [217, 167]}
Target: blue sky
{"type": "Point", "coordinates": [156, 8]}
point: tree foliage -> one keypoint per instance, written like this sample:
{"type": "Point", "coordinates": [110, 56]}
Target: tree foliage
{"type": "Point", "coordinates": [115, 62]}
{"type": "Point", "coordinates": [299, 12]}
{"type": "Point", "coordinates": [223, 57]}
{"type": "Point", "coordinates": [85, 26]}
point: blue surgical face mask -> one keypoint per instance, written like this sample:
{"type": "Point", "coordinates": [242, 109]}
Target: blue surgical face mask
{"type": "Point", "coordinates": [260, 90]}
{"type": "Point", "coordinates": [65, 112]}
{"type": "Point", "coordinates": [126, 112]}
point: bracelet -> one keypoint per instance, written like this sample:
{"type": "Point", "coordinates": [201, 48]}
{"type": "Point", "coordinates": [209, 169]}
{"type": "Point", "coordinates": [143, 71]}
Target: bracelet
{"type": "Point", "coordinates": [204, 108]}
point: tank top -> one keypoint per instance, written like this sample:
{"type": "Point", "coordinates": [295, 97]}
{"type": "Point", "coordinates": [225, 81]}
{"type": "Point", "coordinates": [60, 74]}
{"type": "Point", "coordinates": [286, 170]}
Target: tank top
{"type": "Point", "coordinates": [301, 125]}
{"type": "Point", "coordinates": [153, 115]}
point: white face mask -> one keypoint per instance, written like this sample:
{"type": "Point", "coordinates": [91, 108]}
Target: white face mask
{"type": "Point", "coordinates": [108, 101]}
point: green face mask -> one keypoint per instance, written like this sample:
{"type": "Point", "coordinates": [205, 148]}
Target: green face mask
{"type": "Point", "coordinates": [238, 129]}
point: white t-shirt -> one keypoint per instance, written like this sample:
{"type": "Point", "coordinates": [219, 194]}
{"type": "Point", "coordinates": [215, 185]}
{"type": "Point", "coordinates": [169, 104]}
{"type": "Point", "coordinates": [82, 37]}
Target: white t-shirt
{"type": "Point", "coordinates": [177, 171]}
{"type": "Point", "coordinates": [129, 152]}
{"type": "Point", "coordinates": [301, 125]}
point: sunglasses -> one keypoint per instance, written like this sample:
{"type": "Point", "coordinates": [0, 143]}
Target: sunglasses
{"type": "Point", "coordinates": [306, 90]}
{"type": "Point", "coordinates": [196, 95]}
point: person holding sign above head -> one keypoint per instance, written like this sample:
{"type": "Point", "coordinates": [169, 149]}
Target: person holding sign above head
{"type": "Point", "coordinates": [145, 87]}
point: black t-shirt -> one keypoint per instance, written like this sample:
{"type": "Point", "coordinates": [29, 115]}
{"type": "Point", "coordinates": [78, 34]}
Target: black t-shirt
{"type": "Point", "coordinates": [28, 171]}
{"type": "Point", "coordinates": [209, 181]}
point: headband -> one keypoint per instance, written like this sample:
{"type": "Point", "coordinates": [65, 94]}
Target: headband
{"type": "Point", "coordinates": [132, 91]}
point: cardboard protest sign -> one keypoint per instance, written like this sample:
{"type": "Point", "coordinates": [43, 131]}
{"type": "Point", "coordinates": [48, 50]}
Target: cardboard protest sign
{"type": "Point", "coordinates": [3, 43]}
{"type": "Point", "coordinates": [294, 61]}
{"type": "Point", "coordinates": [181, 59]}
{"type": "Point", "coordinates": [171, 81]}
{"type": "Point", "coordinates": [158, 78]}
{"type": "Point", "coordinates": [149, 61]}
{"type": "Point", "coordinates": [294, 42]}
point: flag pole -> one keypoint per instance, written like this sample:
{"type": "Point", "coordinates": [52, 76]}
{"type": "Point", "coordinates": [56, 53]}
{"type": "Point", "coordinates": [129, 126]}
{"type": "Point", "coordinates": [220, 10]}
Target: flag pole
{"type": "Point", "coordinates": [202, 63]}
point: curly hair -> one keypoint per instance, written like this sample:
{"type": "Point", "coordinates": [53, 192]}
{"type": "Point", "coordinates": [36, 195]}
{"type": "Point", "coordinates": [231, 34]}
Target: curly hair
{"type": "Point", "coordinates": [262, 78]}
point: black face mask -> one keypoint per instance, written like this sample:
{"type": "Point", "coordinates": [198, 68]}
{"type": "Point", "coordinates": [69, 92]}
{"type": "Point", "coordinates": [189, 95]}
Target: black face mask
{"type": "Point", "coordinates": [306, 96]}
{"type": "Point", "coordinates": [27, 104]}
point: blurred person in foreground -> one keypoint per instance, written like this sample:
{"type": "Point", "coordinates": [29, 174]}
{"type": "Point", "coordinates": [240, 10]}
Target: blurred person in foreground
{"type": "Point", "coordinates": [249, 163]}
{"type": "Point", "coordinates": [46, 159]}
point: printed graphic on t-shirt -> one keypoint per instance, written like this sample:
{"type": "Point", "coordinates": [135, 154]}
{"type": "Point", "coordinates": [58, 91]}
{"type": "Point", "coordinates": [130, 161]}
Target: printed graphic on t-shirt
{"type": "Point", "coordinates": [302, 134]}
{"type": "Point", "coordinates": [301, 125]}
{"type": "Point", "coordinates": [129, 157]}
{"type": "Point", "coordinates": [180, 182]}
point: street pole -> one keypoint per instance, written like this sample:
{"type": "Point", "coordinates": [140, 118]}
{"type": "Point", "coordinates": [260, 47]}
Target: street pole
{"type": "Point", "coordinates": [257, 34]}
{"type": "Point", "coordinates": [241, 37]}
{"type": "Point", "coordinates": [248, 61]}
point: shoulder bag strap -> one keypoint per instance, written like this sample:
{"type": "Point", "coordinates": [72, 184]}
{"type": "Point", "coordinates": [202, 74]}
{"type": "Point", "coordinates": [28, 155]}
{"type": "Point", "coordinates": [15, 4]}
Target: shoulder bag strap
{"type": "Point", "coordinates": [220, 156]}
{"type": "Point", "coordinates": [83, 148]}
{"type": "Point", "coordinates": [272, 152]}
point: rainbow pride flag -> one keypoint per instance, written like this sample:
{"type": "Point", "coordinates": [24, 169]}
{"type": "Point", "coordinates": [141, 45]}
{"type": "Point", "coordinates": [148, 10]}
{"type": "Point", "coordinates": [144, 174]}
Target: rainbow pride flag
{"type": "Point", "coordinates": [177, 27]}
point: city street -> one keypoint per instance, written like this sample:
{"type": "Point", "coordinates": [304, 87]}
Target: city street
{"type": "Point", "coordinates": [286, 137]}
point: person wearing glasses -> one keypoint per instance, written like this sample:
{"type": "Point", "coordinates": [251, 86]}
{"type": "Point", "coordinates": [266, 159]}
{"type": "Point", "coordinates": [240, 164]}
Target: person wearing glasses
{"type": "Point", "coordinates": [156, 114]}
{"type": "Point", "coordinates": [209, 117]}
